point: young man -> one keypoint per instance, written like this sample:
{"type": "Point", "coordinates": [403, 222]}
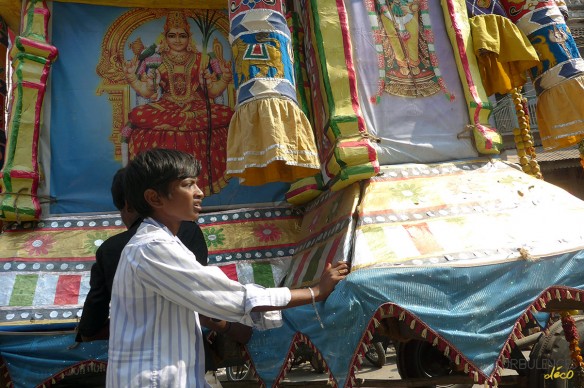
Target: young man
{"type": "Point", "coordinates": [94, 322]}
{"type": "Point", "coordinates": [160, 289]}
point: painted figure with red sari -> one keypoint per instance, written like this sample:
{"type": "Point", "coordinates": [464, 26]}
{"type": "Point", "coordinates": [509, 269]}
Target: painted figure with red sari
{"type": "Point", "coordinates": [177, 95]}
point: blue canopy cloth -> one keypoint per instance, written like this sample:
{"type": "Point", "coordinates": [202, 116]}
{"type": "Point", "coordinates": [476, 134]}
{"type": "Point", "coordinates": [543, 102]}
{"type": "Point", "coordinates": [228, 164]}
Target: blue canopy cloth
{"type": "Point", "coordinates": [463, 253]}
{"type": "Point", "coordinates": [473, 314]}
{"type": "Point", "coordinates": [42, 359]}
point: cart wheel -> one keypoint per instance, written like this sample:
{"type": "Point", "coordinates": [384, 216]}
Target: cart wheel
{"type": "Point", "coordinates": [237, 372]}
{"type": "Point", "coordinates": [375, 354]}
{"type": "Point", "coordinates": [552, 351]}
{"type": "Point", "coordinates": [419, 359]}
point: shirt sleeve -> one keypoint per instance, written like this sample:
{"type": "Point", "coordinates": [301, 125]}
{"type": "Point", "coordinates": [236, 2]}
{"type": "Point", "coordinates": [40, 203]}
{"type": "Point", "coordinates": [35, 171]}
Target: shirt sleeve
{"type": "Point", "coordinates": [257, 297]}
{"type": "Point", "coordinates": [171, 270]}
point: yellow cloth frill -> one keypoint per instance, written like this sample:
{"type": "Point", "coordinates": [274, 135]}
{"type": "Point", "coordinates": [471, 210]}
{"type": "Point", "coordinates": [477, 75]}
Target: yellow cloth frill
{"type": "Point", "coordinates": [270, 140]}
{"type": "Point", "coordinates": [503, 51]}
{"type": "Point", "coordinates": [560, 114]}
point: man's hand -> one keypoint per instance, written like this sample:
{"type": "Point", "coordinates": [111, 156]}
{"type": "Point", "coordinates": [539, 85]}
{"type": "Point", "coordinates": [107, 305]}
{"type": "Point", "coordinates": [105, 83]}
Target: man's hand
{"type": "Point", "coordinates": [301, 296]}
{"type": "Point", "coordinates": [329, 279]}
{"type": "Point", "coordinates": [234, 330]}
{"type": "Point", "coordinates": [239, 332]}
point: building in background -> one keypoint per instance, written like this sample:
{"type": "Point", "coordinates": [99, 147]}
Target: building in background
{"type": "Point", "coordinates": [560, 167]}
{"type": "Point", "coordinates": [576, 22]}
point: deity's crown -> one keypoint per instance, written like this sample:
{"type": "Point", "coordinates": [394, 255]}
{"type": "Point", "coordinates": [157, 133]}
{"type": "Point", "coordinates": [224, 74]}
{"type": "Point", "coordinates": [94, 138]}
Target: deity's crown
{"type": "Point", "coordinates": [177, 19]}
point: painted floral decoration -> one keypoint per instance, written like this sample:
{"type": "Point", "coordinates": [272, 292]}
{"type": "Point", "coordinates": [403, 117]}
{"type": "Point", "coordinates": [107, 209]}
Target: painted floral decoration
{"type": "Point", "coordinates": [94, 241]}
{"type": "Point", "coordinates": [39, 244]}
{"type": "Point", "coordinates": [267, 232]}
{"type": "Point", "coordinates": [214, 237]}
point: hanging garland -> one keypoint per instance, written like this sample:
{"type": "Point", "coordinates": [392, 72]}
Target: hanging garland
{"type": "Point", "coordinates": [581, 149]}
{"type": "Point", "coordinates": [523, 138]}
{"type": "Point", "coordinates": [573, 339]}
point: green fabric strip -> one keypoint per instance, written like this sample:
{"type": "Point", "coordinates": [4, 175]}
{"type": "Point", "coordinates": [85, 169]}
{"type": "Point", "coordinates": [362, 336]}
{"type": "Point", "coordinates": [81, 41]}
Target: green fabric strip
{"type": "Point", "coordinates": [263, 275]}
{"type": "Point", "coordinates": [313, 265]}
{"type": "Point", "coordinates": [316, 26]}
{"type": "Point", "coordinates": [23, 291]}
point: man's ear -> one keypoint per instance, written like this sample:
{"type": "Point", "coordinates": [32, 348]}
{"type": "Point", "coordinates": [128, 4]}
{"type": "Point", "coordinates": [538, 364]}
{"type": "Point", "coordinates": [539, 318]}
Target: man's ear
{"type": "Point", "coordinates": [153, 198]}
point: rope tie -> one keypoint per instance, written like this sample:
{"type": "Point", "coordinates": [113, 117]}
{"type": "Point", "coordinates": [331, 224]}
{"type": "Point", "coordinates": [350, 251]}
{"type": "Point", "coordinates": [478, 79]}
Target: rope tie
{"type": "Point", "coordinates": [15, 204]}
{"type": "Point", "coordinates": [363, 135]}
{"type": "Point", "coordinates": [21, 193]}
{"type": "Point", "coordinates": [466, 133]}
{"type": "Point", "coordinates": [46, 198]}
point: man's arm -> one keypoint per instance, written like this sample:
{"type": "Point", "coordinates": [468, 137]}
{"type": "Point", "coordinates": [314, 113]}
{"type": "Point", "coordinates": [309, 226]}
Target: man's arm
{"type": "Point", "coordinates": [191, 235]}
{"type": "Point", "coordinates": [167, 268]}
{"type": "Point", "coordinates": [298, 297]}
{"type": "Point", "coordinates": [234, 330]}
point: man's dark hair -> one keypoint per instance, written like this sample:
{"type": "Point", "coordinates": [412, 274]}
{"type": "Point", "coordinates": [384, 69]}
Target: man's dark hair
{"type": "Point", "coordinates": [156, 169]}
{"type": "Point", "coordinates": [117, 189]}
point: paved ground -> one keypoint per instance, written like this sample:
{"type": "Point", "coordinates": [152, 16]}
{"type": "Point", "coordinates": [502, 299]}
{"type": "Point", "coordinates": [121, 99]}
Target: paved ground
{"type": "Point", "coordinates": [305, 373]}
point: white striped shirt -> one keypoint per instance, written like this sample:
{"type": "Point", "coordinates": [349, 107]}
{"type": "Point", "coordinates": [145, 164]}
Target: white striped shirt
{"type": "Point", "coordinates": [159, 289]}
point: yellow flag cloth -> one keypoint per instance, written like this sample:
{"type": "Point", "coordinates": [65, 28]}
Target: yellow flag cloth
{"type": "Point", "coordinates": [270, 140]}
{"type": "Point", "coordinates": [560, 114]}
{"type": "Point", "coordinates": [504, 53]}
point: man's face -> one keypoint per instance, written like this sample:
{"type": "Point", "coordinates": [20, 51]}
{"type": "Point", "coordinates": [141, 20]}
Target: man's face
{"type": "Point", "coordinates": [184, 201]}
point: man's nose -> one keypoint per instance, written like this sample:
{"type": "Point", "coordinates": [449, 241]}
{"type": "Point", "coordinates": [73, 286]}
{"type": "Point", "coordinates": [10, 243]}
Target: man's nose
{"type": "Point", "coordinates": [199, 193]}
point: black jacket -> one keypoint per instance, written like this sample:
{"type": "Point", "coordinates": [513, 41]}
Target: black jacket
{"type": "Point", "coordinates": [95, 318]}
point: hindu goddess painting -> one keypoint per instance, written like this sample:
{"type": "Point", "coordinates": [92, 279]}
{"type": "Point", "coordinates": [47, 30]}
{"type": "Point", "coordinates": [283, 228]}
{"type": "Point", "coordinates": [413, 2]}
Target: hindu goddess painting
{"type": "Point", "coordinates": [181, 85]}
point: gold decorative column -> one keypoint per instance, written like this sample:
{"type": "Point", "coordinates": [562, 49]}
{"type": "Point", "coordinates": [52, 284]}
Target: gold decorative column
{"type": "Point", "coordinates": [32, 56]}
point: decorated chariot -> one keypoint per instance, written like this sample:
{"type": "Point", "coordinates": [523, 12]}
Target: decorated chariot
{"type": "Point", "coordinates": [327, 130]}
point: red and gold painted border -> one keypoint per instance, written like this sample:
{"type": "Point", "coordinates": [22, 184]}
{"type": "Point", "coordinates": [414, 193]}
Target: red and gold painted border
{"type": "Point", "coordinates": [346, 152]}
{"type": "Point", "coordinates": [487, 140]}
